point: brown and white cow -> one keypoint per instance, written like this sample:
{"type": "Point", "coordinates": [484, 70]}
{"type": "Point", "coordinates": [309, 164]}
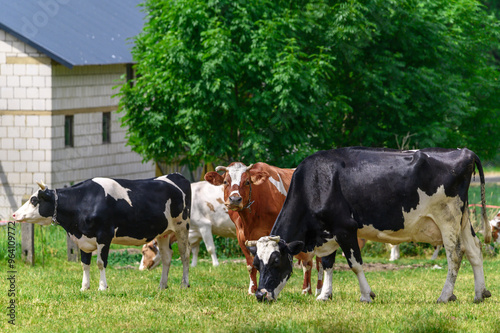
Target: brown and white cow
{"type": "Point", "coordinates": [495, 229]}
{"type": "Point", "coordinates": [208, 217]}
{"type": "Point", "coordinates": [254, 195]}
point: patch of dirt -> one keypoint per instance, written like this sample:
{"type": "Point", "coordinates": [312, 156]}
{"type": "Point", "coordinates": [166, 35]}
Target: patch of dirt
{"type": "Point", "coordinates": [373, 267]}
{"type": "Point", "coordinates": [367, 267]}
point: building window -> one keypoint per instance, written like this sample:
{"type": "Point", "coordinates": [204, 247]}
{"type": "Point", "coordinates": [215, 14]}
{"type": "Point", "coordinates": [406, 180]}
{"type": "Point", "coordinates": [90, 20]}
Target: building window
{"type": "Point", "coordinates": [106, 127]}
{"type": "Point", "coordinates": [68, 131]}
{"type": "Point", "coordinates": [130, 74]}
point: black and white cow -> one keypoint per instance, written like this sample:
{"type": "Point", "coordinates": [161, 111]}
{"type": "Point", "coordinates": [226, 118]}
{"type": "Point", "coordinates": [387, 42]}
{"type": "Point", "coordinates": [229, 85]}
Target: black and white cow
{"type": "Point", "coordinates": [101, 211]}
{"type": "Point", "coordinates": [377, 194]}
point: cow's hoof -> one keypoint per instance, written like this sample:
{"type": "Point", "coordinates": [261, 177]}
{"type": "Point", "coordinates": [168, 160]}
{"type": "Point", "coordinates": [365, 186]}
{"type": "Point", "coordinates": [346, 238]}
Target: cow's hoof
{"type": "Point", "coordinates": [318, 292]}
{"type": "Point", "coordinates": [452, 298]}
{"type": "Point", "coordinates": [485, 294]}
{"type": "Point", "coordinates": [85, 288]}
{"type": "Point", "coordinates": [324, 298]}
{"type": "Point", "coordinates": [103, 288]}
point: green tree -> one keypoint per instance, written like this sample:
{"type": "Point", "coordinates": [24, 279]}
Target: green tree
{"type": "Point", "coordinates": [276, 81]}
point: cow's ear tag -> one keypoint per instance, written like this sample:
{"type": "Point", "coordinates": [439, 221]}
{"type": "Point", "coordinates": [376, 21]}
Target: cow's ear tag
{"type": "Point", "coordinates": [295, 247]}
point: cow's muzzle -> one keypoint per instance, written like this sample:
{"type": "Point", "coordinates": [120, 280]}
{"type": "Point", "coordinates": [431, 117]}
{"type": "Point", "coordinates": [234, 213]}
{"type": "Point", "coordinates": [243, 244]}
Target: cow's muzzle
{"type": "Point", "coordinates": [234, 202]}
{"type": "Point", "coordinates": [263, 295]}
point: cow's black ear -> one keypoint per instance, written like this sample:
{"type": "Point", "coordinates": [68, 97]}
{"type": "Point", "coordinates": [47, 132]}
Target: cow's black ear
{"type": "Point", "coordinates": [295, 247]}
{"type": "Point", "coordinates": [45, 194]}
{"type": "Point", "coordinates": [253, 250]}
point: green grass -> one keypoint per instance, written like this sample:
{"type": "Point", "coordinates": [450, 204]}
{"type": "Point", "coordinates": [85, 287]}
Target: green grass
{"type": "Point", "coordinates": [49, 299]}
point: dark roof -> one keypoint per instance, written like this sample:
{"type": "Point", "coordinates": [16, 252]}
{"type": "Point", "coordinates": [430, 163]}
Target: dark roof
{"type": "Point", "coordinates": [76, 32]}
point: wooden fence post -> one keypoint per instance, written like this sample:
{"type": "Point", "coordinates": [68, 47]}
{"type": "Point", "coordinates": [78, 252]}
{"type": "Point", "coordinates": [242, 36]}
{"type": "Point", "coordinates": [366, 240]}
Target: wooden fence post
{"type": "Point", "coordinates": [73, 250]}
{"type": "Point", "coordinates": [27, 239]}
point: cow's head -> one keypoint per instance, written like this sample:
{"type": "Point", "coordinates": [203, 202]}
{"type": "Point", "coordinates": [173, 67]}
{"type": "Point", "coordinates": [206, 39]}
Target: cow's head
{"type": "Point", "coordinates": [237, 180]}
{"type": "Point", "coordinates": [39, 208]}
{"type": "Point", "coordinates": [150, 255]}
{"type": "Point", "coordinates": [274, 260]}
{"type": "Point", "coordinates": [495, 229]}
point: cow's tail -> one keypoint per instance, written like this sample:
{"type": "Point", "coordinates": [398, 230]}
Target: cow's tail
{"type": "Point", "coordinates": [486, 225]}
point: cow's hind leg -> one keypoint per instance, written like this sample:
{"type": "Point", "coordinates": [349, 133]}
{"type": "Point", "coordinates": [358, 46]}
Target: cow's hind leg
{"type": "Point", "coordinates": [182, 234]}
{"type": "Point", "coordinates": [472, 247]}
{"type": "Point", "coordinates": [327, 264]}
{"type": "Point", "coordinates": [321, 273]}
{"type": "Point", "coordinates": [86, 258]}
{"type": "Point", "coordinates": [102, 262]}
{"type": "Point", "coordinates": [166, 258]}
{"type": "Point", "coordinates": [307, 269]}
{"type": "Point", "coordinates": [454, 254]}
{"type": "Point", "coordinates": [195, 249]}
{"type": "Point", "coordinates": [208, 239]}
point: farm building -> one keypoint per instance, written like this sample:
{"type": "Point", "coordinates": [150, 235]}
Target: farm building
{"type": "Point", "coordinates": [59, 62]}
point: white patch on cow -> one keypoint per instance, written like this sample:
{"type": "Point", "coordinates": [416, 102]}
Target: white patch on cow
{"type": "Point", "coordinates": [279, 288]}
{"type": "Point", "coordinates": [125, 240]}
{"type": "Point", "coordinates": [167, 213]}
{"type": "Point", "coordinates": [166, 179]}
{"type": "Point", "coordinates": [234, 192]}
{"type": "Point", "coordinates": [433, 215]}
{"type": "Point", "coordinates": [84, 243]}
{"type": "Point", "coordinates": [326, 291]}
{"type": "Point", "coordinates": [266, 247]}
{"type": "Point", "coordinates": [30, 213]}
{"type": "Point", "coordinates": [327, 248]}
{"type": "Point", "coordinates": [278, 184]}
{"type": "Point", "coordinates": [128, 241]}
{"type": "Point", "coordinates": [86, 277]}
{"type": "Point", "coordinates": [364, 287]}
{"type": "Point", "coordinates": [103, 285]}
{"type": "Point", "coordinates": [250, 286]}
{"type": "Point", "coordinates": [113, 189]}
{"type": "Point", "coordinates": [235, 172]}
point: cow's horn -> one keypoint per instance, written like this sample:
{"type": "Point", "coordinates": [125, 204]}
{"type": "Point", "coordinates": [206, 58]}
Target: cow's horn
{"type": "Point", "coordinates": [221, 168]}
{"type": "Point", "coordinates": [42, 185]}
{"type": "Point", "coordinates": [250, 243]}
{"type": "Point", "coordinates": [275, 238]}
{"type": "Point", "coordinates": [249, 167]}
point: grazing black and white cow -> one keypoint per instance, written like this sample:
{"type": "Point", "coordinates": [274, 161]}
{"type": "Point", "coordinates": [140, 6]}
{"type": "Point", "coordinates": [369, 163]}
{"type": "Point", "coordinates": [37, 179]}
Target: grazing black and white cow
{"type": "Point", "coordinates": [380, 195]}
{"type": "Point", "coordinates": [101, 211]}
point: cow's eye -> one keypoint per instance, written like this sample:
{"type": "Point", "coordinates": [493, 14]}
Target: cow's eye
{"type": "Point", "coordinates": [247, 182]}
{"type": "Point", "coordinates": [34, 201]}
{"type": "Point", "coordinates": [225, 182]}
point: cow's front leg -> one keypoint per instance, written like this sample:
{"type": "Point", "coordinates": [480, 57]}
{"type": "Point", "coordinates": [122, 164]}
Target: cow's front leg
{"type": "Point", "coordinates": [102, 262]}
{"type": "Point", "coordinates": [166, 258]}
{"type": "Point", "coordinates": [85, 259]}
{"type": "Point", "coordinates": [195, 249]}
{"type": "Point", "coordinates": [349, 243]}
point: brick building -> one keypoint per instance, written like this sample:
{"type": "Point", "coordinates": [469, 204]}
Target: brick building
{"type": "Point", "coordinates": [59, 62]}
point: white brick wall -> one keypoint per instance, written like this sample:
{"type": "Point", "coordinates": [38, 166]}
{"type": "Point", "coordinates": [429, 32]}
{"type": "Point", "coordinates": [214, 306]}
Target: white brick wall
{"type": "Point", "coordinates": [32, 137]}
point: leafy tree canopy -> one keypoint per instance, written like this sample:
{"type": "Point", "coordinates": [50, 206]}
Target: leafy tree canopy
{"type": "Point", "coordinates": [275, 81]}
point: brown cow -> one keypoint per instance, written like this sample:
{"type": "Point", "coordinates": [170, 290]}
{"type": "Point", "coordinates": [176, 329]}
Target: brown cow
{"type": "Point", "coordinates": [254, 196]}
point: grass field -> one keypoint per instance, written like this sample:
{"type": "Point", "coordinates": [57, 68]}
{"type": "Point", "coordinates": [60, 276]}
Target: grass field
{"type": "Point", "coordinates": [48, 297]}
{"type": "Point", "coordinates": [49, 300]}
